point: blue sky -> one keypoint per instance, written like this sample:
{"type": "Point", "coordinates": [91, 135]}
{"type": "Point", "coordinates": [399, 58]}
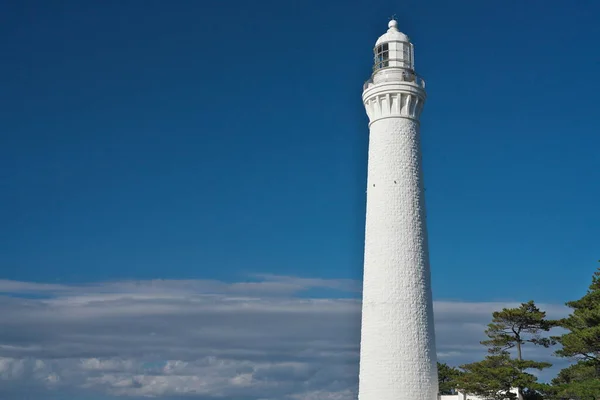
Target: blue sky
{"type": "Point", "coordinates": [146, 140]}
{"type": "Point", "coordinates": [176, 140]}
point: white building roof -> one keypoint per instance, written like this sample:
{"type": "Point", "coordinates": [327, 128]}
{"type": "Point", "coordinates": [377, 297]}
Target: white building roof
{"type": "Point", "coordinates": [392, 34]}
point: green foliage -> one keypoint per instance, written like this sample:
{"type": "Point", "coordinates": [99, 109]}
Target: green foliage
{"type": "Point", "coordinates": [580, 381]}
{"type": "Point", "coordinates": [588, 389]}
{"type": "Point", "coordinates": [533, 394]}
{"type": "Point", "coordinates": [447, 377]}
{"type": "Point", "coordinates": [583, 339]}
{"type": "Point", "coordinates": [579, 372]}
{"type": "Point", "coordinates": [513, 327]}
{"type": "Point", "coordinates": [493, 377]}
{"type": "Point", "coordinates": [584, 390]}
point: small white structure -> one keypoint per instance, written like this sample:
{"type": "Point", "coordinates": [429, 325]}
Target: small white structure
{"type": "Point", "coordinates": [463, 396]}
{"type": "Point", "coordinates": [397, 350]}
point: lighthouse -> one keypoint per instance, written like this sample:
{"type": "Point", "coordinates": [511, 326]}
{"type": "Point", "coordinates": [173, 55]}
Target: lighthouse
{"type": "Point", "coordinates": [397, 347]}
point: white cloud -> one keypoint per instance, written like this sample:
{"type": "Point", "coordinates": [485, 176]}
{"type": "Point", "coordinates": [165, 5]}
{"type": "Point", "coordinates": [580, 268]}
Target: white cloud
{"type": "Point", "coordinates": [203, 339]}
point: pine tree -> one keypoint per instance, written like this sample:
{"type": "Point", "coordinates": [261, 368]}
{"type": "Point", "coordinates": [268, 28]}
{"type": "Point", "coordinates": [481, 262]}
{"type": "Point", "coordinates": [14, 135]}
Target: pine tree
{"type": "Point", "coordinates": [494, 377]}
{"type": "Point", "coordinates": [513, 328]}
{"type": "Point", "coordinates": [447, 377]}
{"type": "Point", "coordinates": [582, 341]}
{"type": "Point", "coordinates": [578, 381]}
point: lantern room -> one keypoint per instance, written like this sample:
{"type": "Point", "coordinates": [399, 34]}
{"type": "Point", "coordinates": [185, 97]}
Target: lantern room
{"type": "Point", "coordinates": [393, 49]}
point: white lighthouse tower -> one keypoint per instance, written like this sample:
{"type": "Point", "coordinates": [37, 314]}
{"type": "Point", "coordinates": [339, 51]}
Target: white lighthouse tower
{"type": "Point", "coordinates": [397, 349]}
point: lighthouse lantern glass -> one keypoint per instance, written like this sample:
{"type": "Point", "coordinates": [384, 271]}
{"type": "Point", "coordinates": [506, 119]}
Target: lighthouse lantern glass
{"type": "Point", "coordinates": [382, 56]}
{"type": "Point", "coordinates": [406, 55]}
{"type": "Point", "coordinates": [393, 54]}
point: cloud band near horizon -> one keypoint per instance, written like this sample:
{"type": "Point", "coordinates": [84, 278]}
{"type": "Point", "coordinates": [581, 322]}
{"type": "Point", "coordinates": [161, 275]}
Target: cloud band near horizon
{"type": "Point", "coordinates": [263, 339]}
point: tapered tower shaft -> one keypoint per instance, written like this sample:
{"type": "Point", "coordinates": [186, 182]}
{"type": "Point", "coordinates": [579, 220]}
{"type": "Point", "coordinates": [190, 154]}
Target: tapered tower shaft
{"type": "Point", "coordinates": [397, 354]}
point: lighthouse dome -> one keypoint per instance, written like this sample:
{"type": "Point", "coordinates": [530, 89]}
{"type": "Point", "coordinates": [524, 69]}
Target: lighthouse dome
{"type": "Point", "coordinates": [392, 34]}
